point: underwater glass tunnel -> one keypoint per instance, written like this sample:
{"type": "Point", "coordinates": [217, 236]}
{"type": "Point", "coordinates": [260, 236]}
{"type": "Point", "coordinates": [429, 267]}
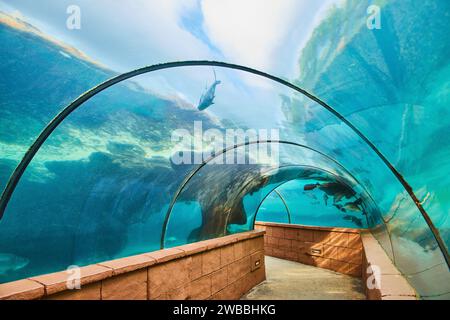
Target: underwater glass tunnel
{"type": "Point", "coordinates": [134, 164]}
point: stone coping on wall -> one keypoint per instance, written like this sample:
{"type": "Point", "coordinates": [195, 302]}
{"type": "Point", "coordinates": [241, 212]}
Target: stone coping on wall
{"type": "Point", "coordinates": [304, 227]}
{"type": "Point", "coordinates": [92, 277]}
{"type": "Point", "coordinates": [383, 281]}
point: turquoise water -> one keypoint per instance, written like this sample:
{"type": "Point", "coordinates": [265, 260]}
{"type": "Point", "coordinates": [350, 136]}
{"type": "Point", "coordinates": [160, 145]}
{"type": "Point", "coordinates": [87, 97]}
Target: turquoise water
{"type": "Point", "coordinates": [291, 203]}
{"type": "Point", "coordinates": [103, 185]}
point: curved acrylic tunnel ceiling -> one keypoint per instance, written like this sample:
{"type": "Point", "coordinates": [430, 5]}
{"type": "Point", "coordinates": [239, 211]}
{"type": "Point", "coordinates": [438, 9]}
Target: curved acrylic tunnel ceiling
{"type": "Point", "coordinates": [308, 200]}
{"type": "Point", "coordinates": [274, 209]}
{"type": "Point", "coordinates": [227, 196]}
{"type": "Point", "coordinates": [101, 180]}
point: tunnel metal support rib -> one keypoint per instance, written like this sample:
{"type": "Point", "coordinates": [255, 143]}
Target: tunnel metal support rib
{"type": "Point", "coordinates": [284, 203]}
{"type": "Point", "coordinates": [264, 199]}
{"type": "Point", "coordinates": [53, 124]}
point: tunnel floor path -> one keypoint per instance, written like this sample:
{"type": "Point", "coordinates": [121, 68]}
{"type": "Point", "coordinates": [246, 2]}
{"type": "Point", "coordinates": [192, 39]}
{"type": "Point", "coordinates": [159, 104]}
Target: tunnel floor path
{"type": "Point", "coordinates": [287, 280]}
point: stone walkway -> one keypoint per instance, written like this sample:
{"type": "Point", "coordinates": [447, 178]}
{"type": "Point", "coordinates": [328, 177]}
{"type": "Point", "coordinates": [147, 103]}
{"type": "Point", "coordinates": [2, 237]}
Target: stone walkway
{"type": "Point", "coordinates": [287, 280]}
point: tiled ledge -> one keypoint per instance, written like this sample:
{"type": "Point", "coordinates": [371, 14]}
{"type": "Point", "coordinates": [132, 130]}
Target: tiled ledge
{"type": "Point", "coordinates": [221, 268]}
{"type": "Point", "coordinates": [298, 226]}
{"type": "Point", "coordinates": [390, 285]}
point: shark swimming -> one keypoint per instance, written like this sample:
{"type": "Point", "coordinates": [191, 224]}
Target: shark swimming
{"type": "Point", "coordinates": [207, 98]}
{"type": "Point", "coordinates": [10, 262]}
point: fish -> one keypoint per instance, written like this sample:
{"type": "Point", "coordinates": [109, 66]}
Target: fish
{"type": "Point", "coordinates": [353, 206]}
{"type": "Point", "coordinates": [339, 207]}
{"type": "Point", "coordinates": [311, 186]}
{"type": "Point", "coordinates": [207, 98]}
{"type": "Point", "coordinates": [337, 190]}
{"type": "Point", "coordinates": [338, 197]}
{"type": "Point", "coordinates": [10, 263]}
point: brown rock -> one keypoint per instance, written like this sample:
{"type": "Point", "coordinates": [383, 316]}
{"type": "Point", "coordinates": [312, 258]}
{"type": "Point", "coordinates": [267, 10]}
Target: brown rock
{"type": "Point", "coordinates": [211, 261]}
{"type": "Point", "coordinates": [89, 292]}
{"type": "Point", "coordinates": [195, 270]}
{"type": "Point", "coordinates": [166, 255]}
{"type": "Point", "coordinates": [56, 282]}
{"type": "Point", "coordinates": [322, 262]}
{"type": "Point", "coordinates": [349, 255]}
{"type": "Point", "coordinates": [239, 251]}
{"type": "Point", "coordinates": [305, 259]}
{"type": "Point", "coordinates": [219, 280]}
{"type": "Point", "coordinates": [292, 255]}
{"type": "Point", "coordinates": [226, 255]}
{"type": "Point", "coordinates": [238, 269]}
{"type": "Point", "coordinates": [181, 293]}
{"type": "Point", "coordinates": [285, 244]}
{"type": "Point", "coordinates": [200, 289]}
{"type": "Point", "coordinates": [279, 253]}
{"type": "Point", "coordinates": [278, 232]}
{"type": "Point", "coordinates": [305, 235]}
{"type": "Point", "coordinates": [330, 252]}
{"type": "Point", "coordinates": [193, 248]}
{"type": "Point", "coordinates": [128, 286]}
{"type": "Point", "coordinates": [272, 241]}
{"type": "Point", "coordinates": [167, 277]}
{"type": "Point", "coordinates": [21, 290]}
{"type": "Point", "coordinates": [338, 239]}
{"type": "Point", "coordinates": [290, 234]}
{"type": "Point", "coordinates": [354, 241]}
{"type": "Point", "coordinates": [129, 264]}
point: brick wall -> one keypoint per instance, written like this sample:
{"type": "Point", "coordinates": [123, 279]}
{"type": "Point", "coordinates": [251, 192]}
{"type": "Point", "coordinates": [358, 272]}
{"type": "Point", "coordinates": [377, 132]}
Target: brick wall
{"type": "Point", "coordinates": [337, 249]}
{"type": "Point", "coordinates": [222, 268]}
